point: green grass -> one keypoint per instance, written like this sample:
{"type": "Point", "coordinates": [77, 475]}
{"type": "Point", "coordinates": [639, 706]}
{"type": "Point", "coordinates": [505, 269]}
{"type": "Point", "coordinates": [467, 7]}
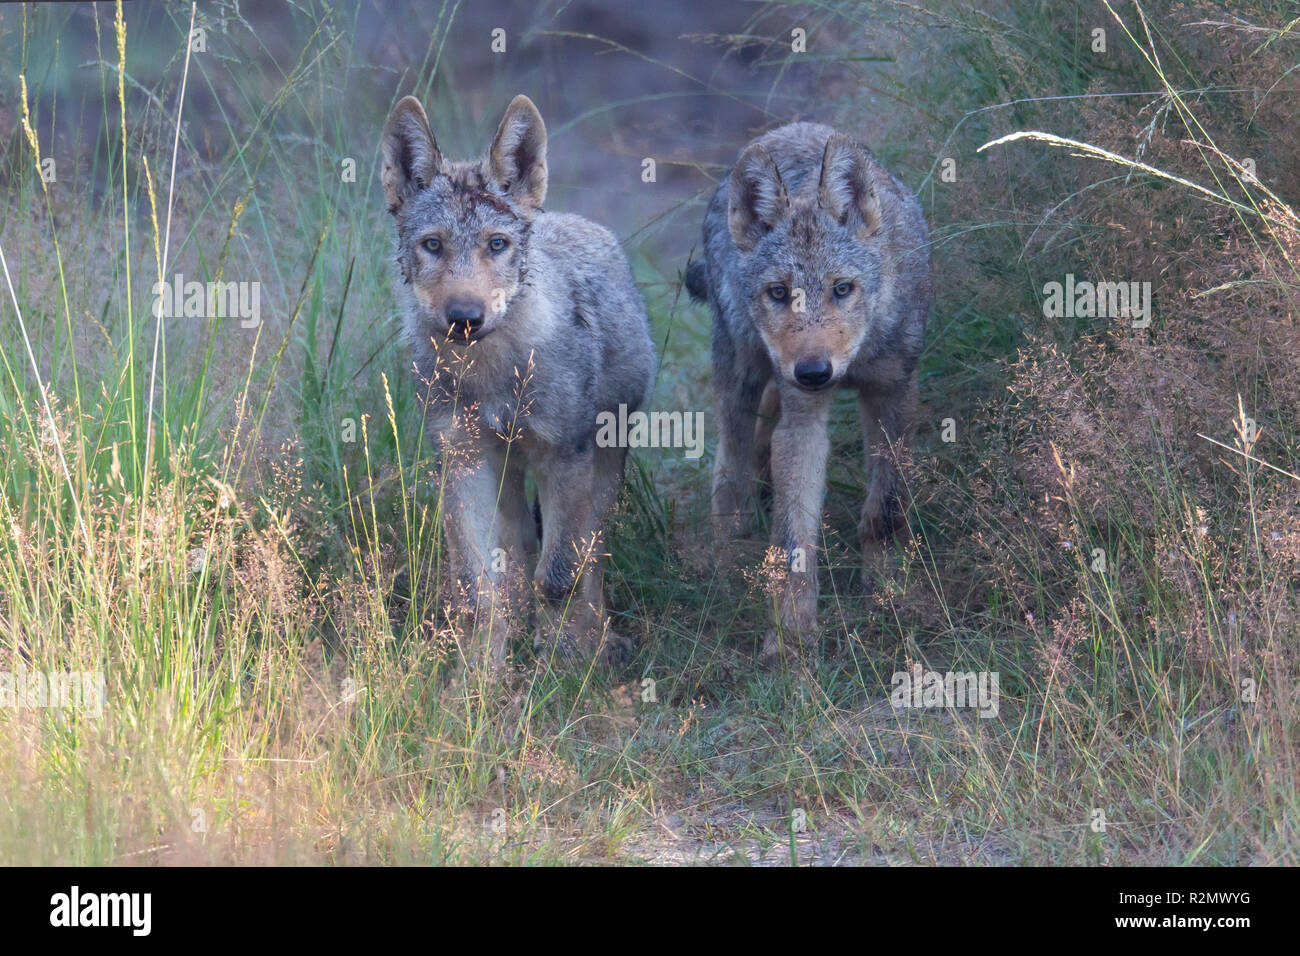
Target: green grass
{"type": "Point", "coordinates": [260, 580]}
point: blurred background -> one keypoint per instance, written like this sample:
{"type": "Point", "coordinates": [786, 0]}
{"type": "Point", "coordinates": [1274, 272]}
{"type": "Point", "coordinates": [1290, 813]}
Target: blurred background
{"type": "Point", "coordinates": [684, 83]}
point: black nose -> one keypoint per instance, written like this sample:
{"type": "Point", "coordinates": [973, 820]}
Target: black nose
{"type": "Point", "coordinates": [464, 316]}
{"type": "Point", "coordinates": [812, 372]}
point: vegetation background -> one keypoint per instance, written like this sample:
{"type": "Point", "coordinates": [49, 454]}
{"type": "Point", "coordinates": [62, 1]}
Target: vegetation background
{"type": "Point", "coordinates": [182, 511]}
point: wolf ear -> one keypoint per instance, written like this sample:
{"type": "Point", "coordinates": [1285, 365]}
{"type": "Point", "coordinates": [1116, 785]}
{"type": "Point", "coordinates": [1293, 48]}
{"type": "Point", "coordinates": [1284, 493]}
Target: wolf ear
{"type": "Point", "coordinates": [758, 198]}
{"type": "Point", "coordinates": [518, 154]}
{"type": "Point", "coordinates": [847, 190]}
{"type": "Point", "coordinates": [411, 156]}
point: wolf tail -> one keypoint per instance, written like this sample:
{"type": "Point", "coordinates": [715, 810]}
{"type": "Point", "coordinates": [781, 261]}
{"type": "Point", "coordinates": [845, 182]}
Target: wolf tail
{"type": "Point", "coordinates": [697, 280]}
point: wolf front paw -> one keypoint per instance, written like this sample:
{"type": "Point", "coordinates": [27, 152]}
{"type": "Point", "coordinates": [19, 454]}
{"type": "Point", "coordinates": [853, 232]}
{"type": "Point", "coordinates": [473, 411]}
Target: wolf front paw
{"type": "Point", "coordinates": [782, 647]}
{"type": "Point", "coordinates": [486, 648]}
{"type": "Point", "coordinates": [615, 650]}
{"type": "Point", "coordinates": [882, 521]}
{"type": "Point", "coordinates": [574, 646]}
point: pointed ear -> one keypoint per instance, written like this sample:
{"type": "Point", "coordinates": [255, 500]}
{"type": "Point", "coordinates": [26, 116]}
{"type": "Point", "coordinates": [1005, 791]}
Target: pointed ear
{"type": "Point", "coordinates": [518, 154]}
{"type": "Point", "coordinates": [847, 189]}
{"type": "Point", "coordinates": [758, 198]}
{"type": "Point", "coordinates": [411, 156]}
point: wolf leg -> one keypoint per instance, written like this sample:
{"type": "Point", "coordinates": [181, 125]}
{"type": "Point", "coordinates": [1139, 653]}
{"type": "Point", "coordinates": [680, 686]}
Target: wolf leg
{"type": "Point", "coordinates": [800, 445]}
{"type": "Point", "coordinates": [610, 464]}
{"type": "Point", "coordinates": [887, 422]}
{"type": "Point", "coordinates": [518, 532]}
{"type": "Point", "coordinates": [736, 392]}
{"type": "Point", "coordinates": [482, 544]}
{"type": "Point", "coordinates": [769, 412]}
{"type": "Point", "coordinates": [571, 546]}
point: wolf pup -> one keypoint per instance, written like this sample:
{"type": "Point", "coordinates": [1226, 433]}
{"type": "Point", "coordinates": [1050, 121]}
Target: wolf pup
{"type": "Point", "coordinates": [817, 266]}
{"type": "Point", "coordinates": [524, 326]}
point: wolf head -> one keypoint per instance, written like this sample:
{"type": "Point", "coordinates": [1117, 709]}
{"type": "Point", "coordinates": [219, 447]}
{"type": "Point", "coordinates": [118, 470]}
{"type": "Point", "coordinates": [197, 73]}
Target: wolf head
{"type": "Point", "coordinates": [463, 227]}
{"type": "Point", "coordinates": [811, 262]}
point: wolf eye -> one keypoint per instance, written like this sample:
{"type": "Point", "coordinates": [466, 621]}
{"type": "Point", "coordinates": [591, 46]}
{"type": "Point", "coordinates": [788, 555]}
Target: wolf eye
{"type": "Point", "coordinates": [497, 243]}
{"type": "Point", "coordinates": [842, 288]}
{"type": "Point", "coordinates": [432, 246]}
{"type": "Point", "coordinates": [778, 292]}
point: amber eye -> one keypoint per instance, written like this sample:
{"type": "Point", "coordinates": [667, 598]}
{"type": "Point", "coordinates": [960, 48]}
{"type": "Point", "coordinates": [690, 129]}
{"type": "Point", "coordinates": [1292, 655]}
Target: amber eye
{"type": "Point", "coordinates": [497, 243]}
{"type": "Point", "coordinates": [842, 288]}
{"type": "Point", "coordinates": [432, 246]}
{"type": "Point", "coordinates": [778, 292]}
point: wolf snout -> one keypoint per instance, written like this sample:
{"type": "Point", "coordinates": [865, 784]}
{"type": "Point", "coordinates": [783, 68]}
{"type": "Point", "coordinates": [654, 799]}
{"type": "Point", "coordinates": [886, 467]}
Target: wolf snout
{"type": "Point", "coordinates": [465, 316]}
{"type": "Point", "coordinates": [813, 373]}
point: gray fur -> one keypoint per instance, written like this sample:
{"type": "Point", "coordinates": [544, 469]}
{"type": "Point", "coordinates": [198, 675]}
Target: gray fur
{"type": "Point", "coordinates": [810, 209]}
{"type": "Point", "coordinates": [522, 392]}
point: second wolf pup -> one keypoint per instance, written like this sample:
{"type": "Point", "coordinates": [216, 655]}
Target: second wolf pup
{"type": "Point", "coordinates": [817, 266]}
{"type": "Point", "coordinates": [524, 326]}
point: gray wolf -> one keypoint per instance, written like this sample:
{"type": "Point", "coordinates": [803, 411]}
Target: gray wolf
{"type": "Point", "coordinates": [524, 326]}
{"type": "Point", "coordinates": [816, 263]}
